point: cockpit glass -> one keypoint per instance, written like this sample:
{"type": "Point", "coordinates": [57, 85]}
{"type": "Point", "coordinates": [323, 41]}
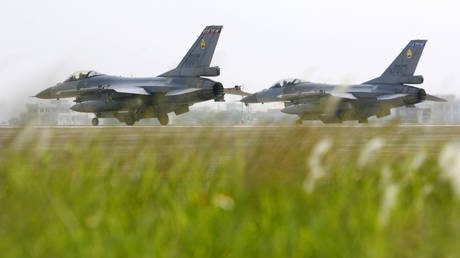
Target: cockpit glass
{"type": "Point", "coordinates": [285, 83]}
{"type": "Point", "coordinates": [82, 75]}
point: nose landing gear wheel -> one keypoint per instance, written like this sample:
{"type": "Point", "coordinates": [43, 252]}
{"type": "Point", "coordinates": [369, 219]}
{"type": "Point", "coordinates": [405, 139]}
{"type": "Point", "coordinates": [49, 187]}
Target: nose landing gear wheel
{"type": "Point", "coordinates": [130, 120]}
{"type": "Point", "coordinates": [163, 119]}
{"type": "Point", "coordinates": [363, 121]}
{"type": "Point", "coordinates": [95, 121]}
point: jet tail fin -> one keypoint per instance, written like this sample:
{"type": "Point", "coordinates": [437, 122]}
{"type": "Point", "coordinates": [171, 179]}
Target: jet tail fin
{"type": "Point", "coordinates": [402, 69]}
{"type": "Point", "coordinates": [198, 59]}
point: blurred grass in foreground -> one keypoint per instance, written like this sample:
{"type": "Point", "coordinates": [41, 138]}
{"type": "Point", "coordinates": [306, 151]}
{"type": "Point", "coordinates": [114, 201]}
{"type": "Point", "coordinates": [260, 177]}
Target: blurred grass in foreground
{"type": "Point", "coordinates": [214, 192]}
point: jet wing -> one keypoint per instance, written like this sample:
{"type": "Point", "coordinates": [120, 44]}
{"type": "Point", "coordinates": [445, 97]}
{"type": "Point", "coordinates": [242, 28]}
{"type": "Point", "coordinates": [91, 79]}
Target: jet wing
{"type": "Point", "coordinates": [343, 95]}
{"type": "Point", "coordinates": [131, 90]}
{"type": "Point", "coordinates": [139, 90]}
{"type": "Point", "coordinates": [299, 95]}
{"type": "Point", "coordinates": [92, 90]}
{"type": "Point", "coordinates": [397, 96]}
{"type": "Point", "coordinates": [391, 96]}
{"type": "Point", "coordinates": [303, 95]}
{"type": "Point", "coordinates": [181, 91]}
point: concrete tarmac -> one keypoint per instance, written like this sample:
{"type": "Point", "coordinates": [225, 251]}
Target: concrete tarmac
{"type": "Point", "coordinates": [410, 137]}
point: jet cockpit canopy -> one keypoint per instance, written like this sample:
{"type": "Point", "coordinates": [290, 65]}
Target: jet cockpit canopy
{"type": "Point", "coordinates": [285, 83]}
{"type": "Point", "coordinates": [82, 75]}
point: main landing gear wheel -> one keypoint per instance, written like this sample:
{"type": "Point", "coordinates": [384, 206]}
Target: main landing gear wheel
{"type": "Point", "coordinates": [130, 120]}
{"type": "Point", "coordinates": [299, 122]}
{"type": "Point", "coordinates": [95, 121]}
{"type": "Point", "coordinates": [363, 121]}
{"type": "Point", "coordinates": [163, 119]}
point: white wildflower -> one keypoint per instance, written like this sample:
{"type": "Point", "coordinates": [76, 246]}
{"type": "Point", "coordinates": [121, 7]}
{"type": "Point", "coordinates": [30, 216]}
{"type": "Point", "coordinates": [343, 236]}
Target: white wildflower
{"type": "Point", "coordinates": [418, 161]}
{"type": "Point", "coordinates": [223, 202]}
{"type": "Point", "coordinates": [424, 193]}
{"type": "Point", "coordinates": [415, 164]}
{"type": "Point", "coordinates": [386, 176]}
{"type": "Point", "coordinates": [314, 163]}
{"type": "Point", "coordinates": [427, 190]}
{"type": "Point", "coordinates": [390, 195]}
{"type": "Point", "coordinates": [388, 202]}
{"type": "Point", "coordinates": [24, 137]}
{"type": "Point", "coordinates": [44, 140]}
{"type": "Point", "coordinates": [449, 161]}
{"type": "Point", "coordinates": [369, 151]}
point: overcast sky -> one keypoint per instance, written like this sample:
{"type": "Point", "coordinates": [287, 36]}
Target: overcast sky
{"type": "Point", "coordinates": [43, 42]}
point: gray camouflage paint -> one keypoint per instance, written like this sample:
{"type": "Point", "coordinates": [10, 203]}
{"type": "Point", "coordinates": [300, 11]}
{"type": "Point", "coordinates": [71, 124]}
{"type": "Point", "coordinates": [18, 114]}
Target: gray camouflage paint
{"type": "Point", "coordinates": [336, 103]}
{"type": "Point", "coordinates": [132, 99]}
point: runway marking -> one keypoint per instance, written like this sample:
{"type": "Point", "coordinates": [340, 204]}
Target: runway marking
{"type": "Point", "coordinates": [234, 126]}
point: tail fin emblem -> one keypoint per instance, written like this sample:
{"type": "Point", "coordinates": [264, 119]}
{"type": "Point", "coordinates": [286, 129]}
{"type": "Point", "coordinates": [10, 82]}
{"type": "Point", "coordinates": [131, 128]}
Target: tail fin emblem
{"type": "Point", "coordinates": [203, 44]}
{"type": "Point", "coordinates": [409, 54]}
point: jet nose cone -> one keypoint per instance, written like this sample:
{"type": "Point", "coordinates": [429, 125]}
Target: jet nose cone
{"type": "Point", "coordinates": [46, 94]}
{"type": "Point", "coordinates": [250, 99]}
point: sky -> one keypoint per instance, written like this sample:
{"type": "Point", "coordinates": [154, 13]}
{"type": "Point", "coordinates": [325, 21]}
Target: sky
{"type": "Point", "coordinates": [331, 41]}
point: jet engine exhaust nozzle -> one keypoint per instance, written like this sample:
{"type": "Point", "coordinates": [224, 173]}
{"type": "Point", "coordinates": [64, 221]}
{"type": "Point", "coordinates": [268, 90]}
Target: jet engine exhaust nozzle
{"type": "Point", "coordinates": [421, 95]}
{"type": "Point", "coordinates": [218, 89]}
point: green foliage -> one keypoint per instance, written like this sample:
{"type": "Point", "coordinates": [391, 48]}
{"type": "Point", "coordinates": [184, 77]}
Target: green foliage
{"type": "Point", "coordinates": [219, 192]}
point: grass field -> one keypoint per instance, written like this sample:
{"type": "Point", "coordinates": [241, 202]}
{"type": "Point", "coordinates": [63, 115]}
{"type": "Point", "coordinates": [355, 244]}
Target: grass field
{"type": "Point", "coordinates": [230, 192]}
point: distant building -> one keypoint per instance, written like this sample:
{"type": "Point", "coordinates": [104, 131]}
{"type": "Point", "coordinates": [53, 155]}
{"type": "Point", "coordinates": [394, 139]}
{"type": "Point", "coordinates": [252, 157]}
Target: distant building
{"type": "Point", "coordinates": [444, 112]}
{"type": "Point", "coordinates": [50, 114]}
{"type": "Point", "coordinates": [414, 115]}
{"type": "Point", "coordinates": [429, 112]}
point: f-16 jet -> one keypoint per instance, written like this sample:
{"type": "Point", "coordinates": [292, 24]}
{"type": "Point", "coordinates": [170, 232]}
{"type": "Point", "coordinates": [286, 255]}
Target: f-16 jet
{"type": "Point", "coordinates": [132, 99]}
{"type": "Point", "coordinates": [336, 103]}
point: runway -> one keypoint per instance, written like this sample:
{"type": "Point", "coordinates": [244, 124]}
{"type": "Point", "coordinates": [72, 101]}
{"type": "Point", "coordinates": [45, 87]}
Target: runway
{"type": "Point", "coordinates": [410, 137]}
{"type": "Point", "coordinates": [242, 126]}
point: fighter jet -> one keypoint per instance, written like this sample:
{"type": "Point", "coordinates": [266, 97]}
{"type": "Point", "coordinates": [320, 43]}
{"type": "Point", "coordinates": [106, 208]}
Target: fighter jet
{"type": "Point", "coordinates": [336, 103]}
{"type": "Point", "coordinates": [132, 99]}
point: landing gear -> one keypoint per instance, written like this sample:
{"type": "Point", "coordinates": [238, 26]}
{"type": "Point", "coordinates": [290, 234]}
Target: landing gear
{"type": "Point", "coordinates": [330, 119]}
{"type": "Point", "coordinates": [363, 121]}
{"type": "Point", "coordinates": [163, 119]}
{"type": "Point", "coordinates": [130, 120]}
{"type": "Point", "coordinates": [95, 121]}
{"type": "Point", "coordinates": [299, 122]}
